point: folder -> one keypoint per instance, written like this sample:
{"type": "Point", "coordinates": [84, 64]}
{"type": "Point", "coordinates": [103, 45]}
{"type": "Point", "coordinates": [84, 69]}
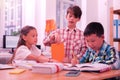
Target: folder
{"type": "Point", "coordinates": [16, 71]}
{"type": "Point", "coordinates": [58, 52]}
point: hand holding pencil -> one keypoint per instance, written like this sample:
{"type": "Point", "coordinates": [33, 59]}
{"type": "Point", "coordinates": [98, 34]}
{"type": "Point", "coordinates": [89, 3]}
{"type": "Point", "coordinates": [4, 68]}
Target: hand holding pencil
{"type": "Point", "coordinates": [74, 60]}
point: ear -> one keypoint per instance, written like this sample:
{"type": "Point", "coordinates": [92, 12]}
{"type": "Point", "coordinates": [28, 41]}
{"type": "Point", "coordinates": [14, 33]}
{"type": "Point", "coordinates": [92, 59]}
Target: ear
{"type": "Point", "coordinates": [78, 19]}
{"type": "Point", "coordinates": [24, 37]}
{"type": "Point", "coordinates": [102, 36]}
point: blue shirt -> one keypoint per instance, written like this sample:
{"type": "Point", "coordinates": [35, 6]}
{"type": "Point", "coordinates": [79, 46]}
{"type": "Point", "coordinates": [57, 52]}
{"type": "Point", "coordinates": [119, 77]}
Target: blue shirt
{"type": "Point", "coordinates": [106, 55]}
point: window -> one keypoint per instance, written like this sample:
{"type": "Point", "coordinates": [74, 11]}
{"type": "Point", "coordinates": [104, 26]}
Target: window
{"type": "Point", "coordinates": [13, 16]}
{"type": "Point", "coordinates": [61, 8]}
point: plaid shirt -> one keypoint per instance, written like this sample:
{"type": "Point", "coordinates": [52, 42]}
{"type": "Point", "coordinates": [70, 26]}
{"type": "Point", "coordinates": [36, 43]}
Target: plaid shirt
{"type": "Point", "coordinates": [73, 42]}
{"type": "Point", "coordinates": [106, 55]}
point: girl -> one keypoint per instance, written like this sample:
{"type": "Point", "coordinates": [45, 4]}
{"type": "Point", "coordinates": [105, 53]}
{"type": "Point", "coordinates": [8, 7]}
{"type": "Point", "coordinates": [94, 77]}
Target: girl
{"type": "Point", "coordinates": [26, 47]}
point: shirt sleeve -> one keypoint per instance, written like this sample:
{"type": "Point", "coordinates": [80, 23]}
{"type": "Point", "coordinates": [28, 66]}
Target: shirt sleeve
{"type": "Point", "coordinates": [85, 57]}
{"type": "Point", "coordinates": [34, 50]}
{"type": "Point", "coordinates": [83, 48]}
{"type": "Point", "coordinates": [21, 53]}
{"type": "Point", "coordinates": [116, 65]}
{"type": "Point", "coordinates": [110, 56]}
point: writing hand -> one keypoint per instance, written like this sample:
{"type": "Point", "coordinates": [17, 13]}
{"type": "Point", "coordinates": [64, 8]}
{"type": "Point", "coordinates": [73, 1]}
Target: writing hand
{"type": "Point", "coordinates": [74, 60]}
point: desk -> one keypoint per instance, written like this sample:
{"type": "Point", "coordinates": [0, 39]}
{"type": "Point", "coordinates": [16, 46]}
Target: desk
{"type": "Point", "coordinates": [5, 57]}
{"type": "Point", "coordinates": [28, 75]}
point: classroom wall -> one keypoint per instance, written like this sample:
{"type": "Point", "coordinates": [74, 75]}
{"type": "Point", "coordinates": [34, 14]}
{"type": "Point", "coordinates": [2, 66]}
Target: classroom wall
{"type": "Point", "coordinates": [51, 9]}
{"type": "Point", "coordinates": [97, 12]}
{"type": "Point", "coordinates": [116, 4]}
{"type": "Point", "coordinates": [37, 11]}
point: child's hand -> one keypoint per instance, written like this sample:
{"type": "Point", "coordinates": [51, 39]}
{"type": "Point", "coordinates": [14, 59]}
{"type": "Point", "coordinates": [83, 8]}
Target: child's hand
{"type": "Point", "coordinates": [52, 37]}
{"type": "Point", "coordinates": [74, 60]}
{"type": "Point", "coordinates": [57, 38]}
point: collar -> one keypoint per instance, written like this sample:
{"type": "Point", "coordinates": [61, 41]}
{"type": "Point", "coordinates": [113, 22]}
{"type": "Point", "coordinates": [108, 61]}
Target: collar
{"type": "Point", "coordinates": [75, 29]}
{"type": "Point", "coordinates": [102, 49]}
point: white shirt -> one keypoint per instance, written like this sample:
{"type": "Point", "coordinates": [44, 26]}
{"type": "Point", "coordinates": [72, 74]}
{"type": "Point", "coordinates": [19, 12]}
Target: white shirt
{"type": "Point", "coordinates": [22, 52]}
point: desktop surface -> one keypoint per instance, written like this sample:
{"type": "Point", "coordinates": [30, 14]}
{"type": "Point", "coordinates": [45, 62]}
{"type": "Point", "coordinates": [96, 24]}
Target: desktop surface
{"type": "Point", "coordinates": [29, 75]}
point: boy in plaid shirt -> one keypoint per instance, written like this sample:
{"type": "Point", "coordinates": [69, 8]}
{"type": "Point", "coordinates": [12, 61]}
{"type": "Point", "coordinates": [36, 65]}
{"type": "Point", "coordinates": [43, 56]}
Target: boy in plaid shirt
{"type": "Point", "coordinates": [71, 36]}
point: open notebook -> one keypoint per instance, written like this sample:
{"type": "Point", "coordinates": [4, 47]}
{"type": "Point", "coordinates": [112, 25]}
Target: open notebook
{"type": "Point", "coordinates": [88, 67]}
{"type": "Point", "coordinates": [6, 66]}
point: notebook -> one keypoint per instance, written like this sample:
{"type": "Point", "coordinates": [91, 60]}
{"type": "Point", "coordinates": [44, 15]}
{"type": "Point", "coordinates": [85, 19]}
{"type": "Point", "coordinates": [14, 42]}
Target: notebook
{"type": "Point", "coordinates": [6, 66]}
{"type": "Point", "coordinates": [57, 51]}
{"type": "Point", "coordinates": [88, 67]}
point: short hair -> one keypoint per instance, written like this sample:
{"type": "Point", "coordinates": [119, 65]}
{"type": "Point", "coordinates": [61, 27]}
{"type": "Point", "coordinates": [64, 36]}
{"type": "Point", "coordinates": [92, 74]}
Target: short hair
{"type": "Point", "coordinates": [75, 10]}
{"type": "Point", "coordinates": [94, 28]}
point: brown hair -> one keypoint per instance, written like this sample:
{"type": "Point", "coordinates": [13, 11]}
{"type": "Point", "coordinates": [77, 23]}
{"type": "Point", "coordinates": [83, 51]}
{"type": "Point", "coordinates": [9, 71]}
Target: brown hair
{"type": "Point", "coordinates": [24, 31]}
{"type": "Point", "coordinates": [75, 10]}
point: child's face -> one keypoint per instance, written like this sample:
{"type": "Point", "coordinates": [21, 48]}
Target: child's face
{"type": "Point", "coordinates": [71, 20]}
{"type": "Point", "coordinates": [94, 41]}
{"type": "Point", "coordinates": [31, 37]}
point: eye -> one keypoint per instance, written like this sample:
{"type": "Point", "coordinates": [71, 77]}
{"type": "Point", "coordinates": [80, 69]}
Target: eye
{"type": "Point", "coordinates": [70, 16]}
{"type": "Point", "coordinates": [93, 41]}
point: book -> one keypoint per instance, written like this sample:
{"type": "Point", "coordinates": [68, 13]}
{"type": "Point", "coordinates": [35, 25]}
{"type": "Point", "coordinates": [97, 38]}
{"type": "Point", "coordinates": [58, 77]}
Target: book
{"type": "Point", "coordinates": [47, 68]}
{"type": "Point", "coordinates": [89, 67]}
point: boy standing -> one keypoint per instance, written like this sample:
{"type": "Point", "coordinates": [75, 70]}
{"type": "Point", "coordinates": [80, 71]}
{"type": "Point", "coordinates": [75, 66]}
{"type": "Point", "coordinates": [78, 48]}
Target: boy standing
{"type": "Point", "coordinates": [71, 36]}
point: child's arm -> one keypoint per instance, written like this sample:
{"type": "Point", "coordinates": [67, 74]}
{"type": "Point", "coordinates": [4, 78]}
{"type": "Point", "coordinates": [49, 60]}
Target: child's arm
{"type": "Point", "coordinates": [52, 38]}
{"type": "Point", "coordinates": [40, 58]}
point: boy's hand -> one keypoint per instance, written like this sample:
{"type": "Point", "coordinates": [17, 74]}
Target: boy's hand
{"type": "Point", "coordinates": [74, 60]}
{"type": "Point", "coordinates": [55, 38]}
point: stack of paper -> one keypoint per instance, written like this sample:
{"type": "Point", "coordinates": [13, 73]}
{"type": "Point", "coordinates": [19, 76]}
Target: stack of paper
{"type": "Point", "coordinates": [6, 66]}
{"type": "Point", "coordinates": [47, 68]}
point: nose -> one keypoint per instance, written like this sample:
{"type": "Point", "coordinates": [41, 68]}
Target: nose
{"type": "Point", "coordinates": [36, 38]}
{"type": "Point", "coordinates": [90, 44]}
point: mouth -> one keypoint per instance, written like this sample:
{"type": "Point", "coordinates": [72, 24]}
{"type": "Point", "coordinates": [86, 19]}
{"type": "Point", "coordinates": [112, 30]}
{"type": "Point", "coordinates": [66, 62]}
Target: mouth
{"type": "Point", "coordinates": [71, 22]}
{"type": "Point", "coordinates": [35, 41]}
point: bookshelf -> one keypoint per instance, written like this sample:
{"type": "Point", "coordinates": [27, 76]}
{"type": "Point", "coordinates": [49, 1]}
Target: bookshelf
{"type": "Point", "coordinates": [112, 39]}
